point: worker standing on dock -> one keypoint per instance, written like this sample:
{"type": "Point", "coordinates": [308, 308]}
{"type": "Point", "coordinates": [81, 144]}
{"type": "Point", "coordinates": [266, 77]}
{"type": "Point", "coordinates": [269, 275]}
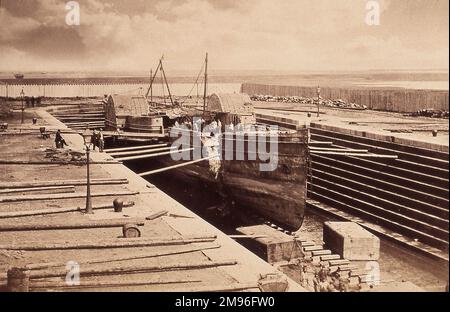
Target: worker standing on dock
{"type": "Point", "coordinates": [101, 141]}
{"type": "Point", "coordinates": [94, 139]}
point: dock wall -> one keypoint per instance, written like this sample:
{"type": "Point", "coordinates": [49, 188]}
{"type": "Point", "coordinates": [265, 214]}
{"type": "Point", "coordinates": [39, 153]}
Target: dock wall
{"type": "Point", "coordinates": [398, 100]}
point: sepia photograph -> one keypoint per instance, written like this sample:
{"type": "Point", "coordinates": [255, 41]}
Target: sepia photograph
{"type": "Point", "coordinates": [226, 153]}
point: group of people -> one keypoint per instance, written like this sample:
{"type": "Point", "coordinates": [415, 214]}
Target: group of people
{"type": "Point", "coordinates": [97, 140]}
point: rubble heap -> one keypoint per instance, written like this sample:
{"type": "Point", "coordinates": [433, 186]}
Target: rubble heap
{"type": "Point", "coordinates": [338, 103]}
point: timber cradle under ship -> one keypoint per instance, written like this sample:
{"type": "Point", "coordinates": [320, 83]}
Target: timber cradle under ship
{"type": "Point", "coordinates": [279, 194]}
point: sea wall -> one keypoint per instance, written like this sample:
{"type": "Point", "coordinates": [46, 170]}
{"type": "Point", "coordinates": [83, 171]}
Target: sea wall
{"type": "Point", "coordinates": [398, 100]}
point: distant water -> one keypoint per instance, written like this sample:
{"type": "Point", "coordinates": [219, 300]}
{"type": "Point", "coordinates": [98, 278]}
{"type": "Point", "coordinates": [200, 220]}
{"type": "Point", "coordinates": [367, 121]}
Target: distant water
{"type": "Point", "coordinates": [418, 85]}
{"type": "Point", "coordinates": [177, 89]}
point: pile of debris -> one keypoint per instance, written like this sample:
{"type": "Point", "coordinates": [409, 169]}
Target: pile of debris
{"type": "Point", "coordinates": [339, 103]}
{"type": "Point", "coordinates": [68, 155]}
{"type": "Point", "coordinates": [429, 112]}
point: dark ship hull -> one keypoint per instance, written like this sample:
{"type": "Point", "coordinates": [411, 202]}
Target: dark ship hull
{"type": "Point", "coordinates": [278, 195]}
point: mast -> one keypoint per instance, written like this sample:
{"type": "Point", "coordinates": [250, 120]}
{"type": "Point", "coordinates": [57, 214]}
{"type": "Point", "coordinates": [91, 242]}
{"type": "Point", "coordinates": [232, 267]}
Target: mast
{"type": "Point", "coordinates": [165, 79]}
{"type": "Point", "coordinates": [151, 89]}
{"type": "Point", "coordinates": [206, 82]}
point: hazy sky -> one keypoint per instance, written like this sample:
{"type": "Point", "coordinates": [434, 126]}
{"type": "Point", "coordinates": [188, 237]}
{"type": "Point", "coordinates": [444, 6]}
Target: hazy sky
{"type": "Point", "coordinates": [297, 35]}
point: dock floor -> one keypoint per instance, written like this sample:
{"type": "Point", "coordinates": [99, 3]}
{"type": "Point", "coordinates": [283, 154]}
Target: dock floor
{"type": "Point", "coordinates": [149, 200]}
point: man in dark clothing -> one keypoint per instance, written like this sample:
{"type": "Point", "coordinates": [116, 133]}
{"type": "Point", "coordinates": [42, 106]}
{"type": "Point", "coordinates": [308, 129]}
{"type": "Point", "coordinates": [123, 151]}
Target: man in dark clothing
{"type": "Point", "coordinates": [59, 140]}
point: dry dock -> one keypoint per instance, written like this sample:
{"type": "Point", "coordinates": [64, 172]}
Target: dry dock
{"type": "Point", "coordinates": [402, 200]}
{"type": "Point", "coordinates": [43, 229]}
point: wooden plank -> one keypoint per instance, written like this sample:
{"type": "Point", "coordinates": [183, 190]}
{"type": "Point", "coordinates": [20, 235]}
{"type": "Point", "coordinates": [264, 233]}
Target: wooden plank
{"type": "Point", "coordinates": [184, 249]}
{"type": "Point", "coordinates": [25, 213]}
{"type": "Point", "coordinates": [11, 199]}
{"type": "Point", "coordinates": [71, 226]}
{"type": "Point", "coordinates": [39, 286]}
{"type": "Point", "coordinates": [131, 148]}
{"type": "Point", "coordinates": [147, 173]}
{"type": "Point", "coordinates": [123, 269]}
{"type": "Point", "coordinates": [108, 243]}
{"type": "Point", "coordinates": [46, 189]}
{"type": "Point", "coordinates": [76, 163]}
{"type": "Point", "coordinates": [99, 181]}
{"type": "Point", "coordinates": [138, 152]}
{"type": "Point", "coordinates": [153, 155]}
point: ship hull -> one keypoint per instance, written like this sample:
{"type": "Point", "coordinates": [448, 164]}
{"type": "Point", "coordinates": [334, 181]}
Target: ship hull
{"type": "Point", "coordinates": [278, 195]}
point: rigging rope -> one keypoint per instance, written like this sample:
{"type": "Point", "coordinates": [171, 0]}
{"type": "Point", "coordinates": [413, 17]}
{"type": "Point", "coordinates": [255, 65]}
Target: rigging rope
{"type": "Point", "coordinates": [195, 83]}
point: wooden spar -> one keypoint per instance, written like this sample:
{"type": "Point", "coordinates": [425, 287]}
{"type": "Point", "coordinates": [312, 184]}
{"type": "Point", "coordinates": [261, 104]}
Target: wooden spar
{"type": "Point", "coordinates": [355, 154]}
{"type": "Point", "coordinates": [11, 199]}
{"type": "Point", "coordinates": [206, 82]}
{"type": "Point", "coordinates": [46, 189]}
{"type": "Point", "coordinates": [138, 152]}
{"type": "Point", "coordinates": [38, 162]}
{"type": "Point", "coordinates": [154, 254]}
{"type": "Point", "coordinates": [153, 78]}
{"type": "Point", "coordinates": [312, 148]}
{"type": "Point", "coordinates": [153, 155]}
{"type": "Point", "coordinates": [70, 226]}
{"type": "Point", "coordinates": [132, 148]}
{"type": "Point", "coordinates": [167, 84]}
{"type": "Point", "coordinates": [100, 181]}
{"type": "Point", "coordinates": [24, 213]}
{"type": "Point", "coordinates": [151, 89]}
{"type": "Point", "coordinates": [108, 243]}
{"type": "Point", "coordinates": [110, 270]}
{"type": "Point", "coordinates": [157, 215]}
{"type": "Point", "coordinates": [143, 174]}
{"type": "Point", "coordinates": [99, 284]}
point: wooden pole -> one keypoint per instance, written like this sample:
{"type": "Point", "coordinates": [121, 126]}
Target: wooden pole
{"type": "Point", "coordinates": [123, 149]}
{"type": "Point", "coordinates": [137, 152]}
{"type": "Point", "coordinates": [100, 284]}
{"type": "Point", "coordinates": [167, 84]}
{"type": "Point", "coordinates": [46, 189]}
{"type": "Point", "coordinates": [154, 254]}
{"type": "Point", "coordinates": [147, 173]}
{"type": "Point", "coordinates": [55, 183]}
{"type": "Point", "coordinates": [11, 199]}
{"type": "Point", "coordinates": [111, 243]}
{"type": "Point", "coordinates": [153, 155]}
{"type": "Point", "coordinates": [151, 88]}
{"type": "Point", "coordinates": [75, 163]}
{"type": "Point", "coordinates": [123, 269]}
{"type": "Point", "coordinates": [25, 213]}
{"type": "Point", "coordinates": [205, 85]}
{"type": "Point", "coordinates": [71, 226]}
